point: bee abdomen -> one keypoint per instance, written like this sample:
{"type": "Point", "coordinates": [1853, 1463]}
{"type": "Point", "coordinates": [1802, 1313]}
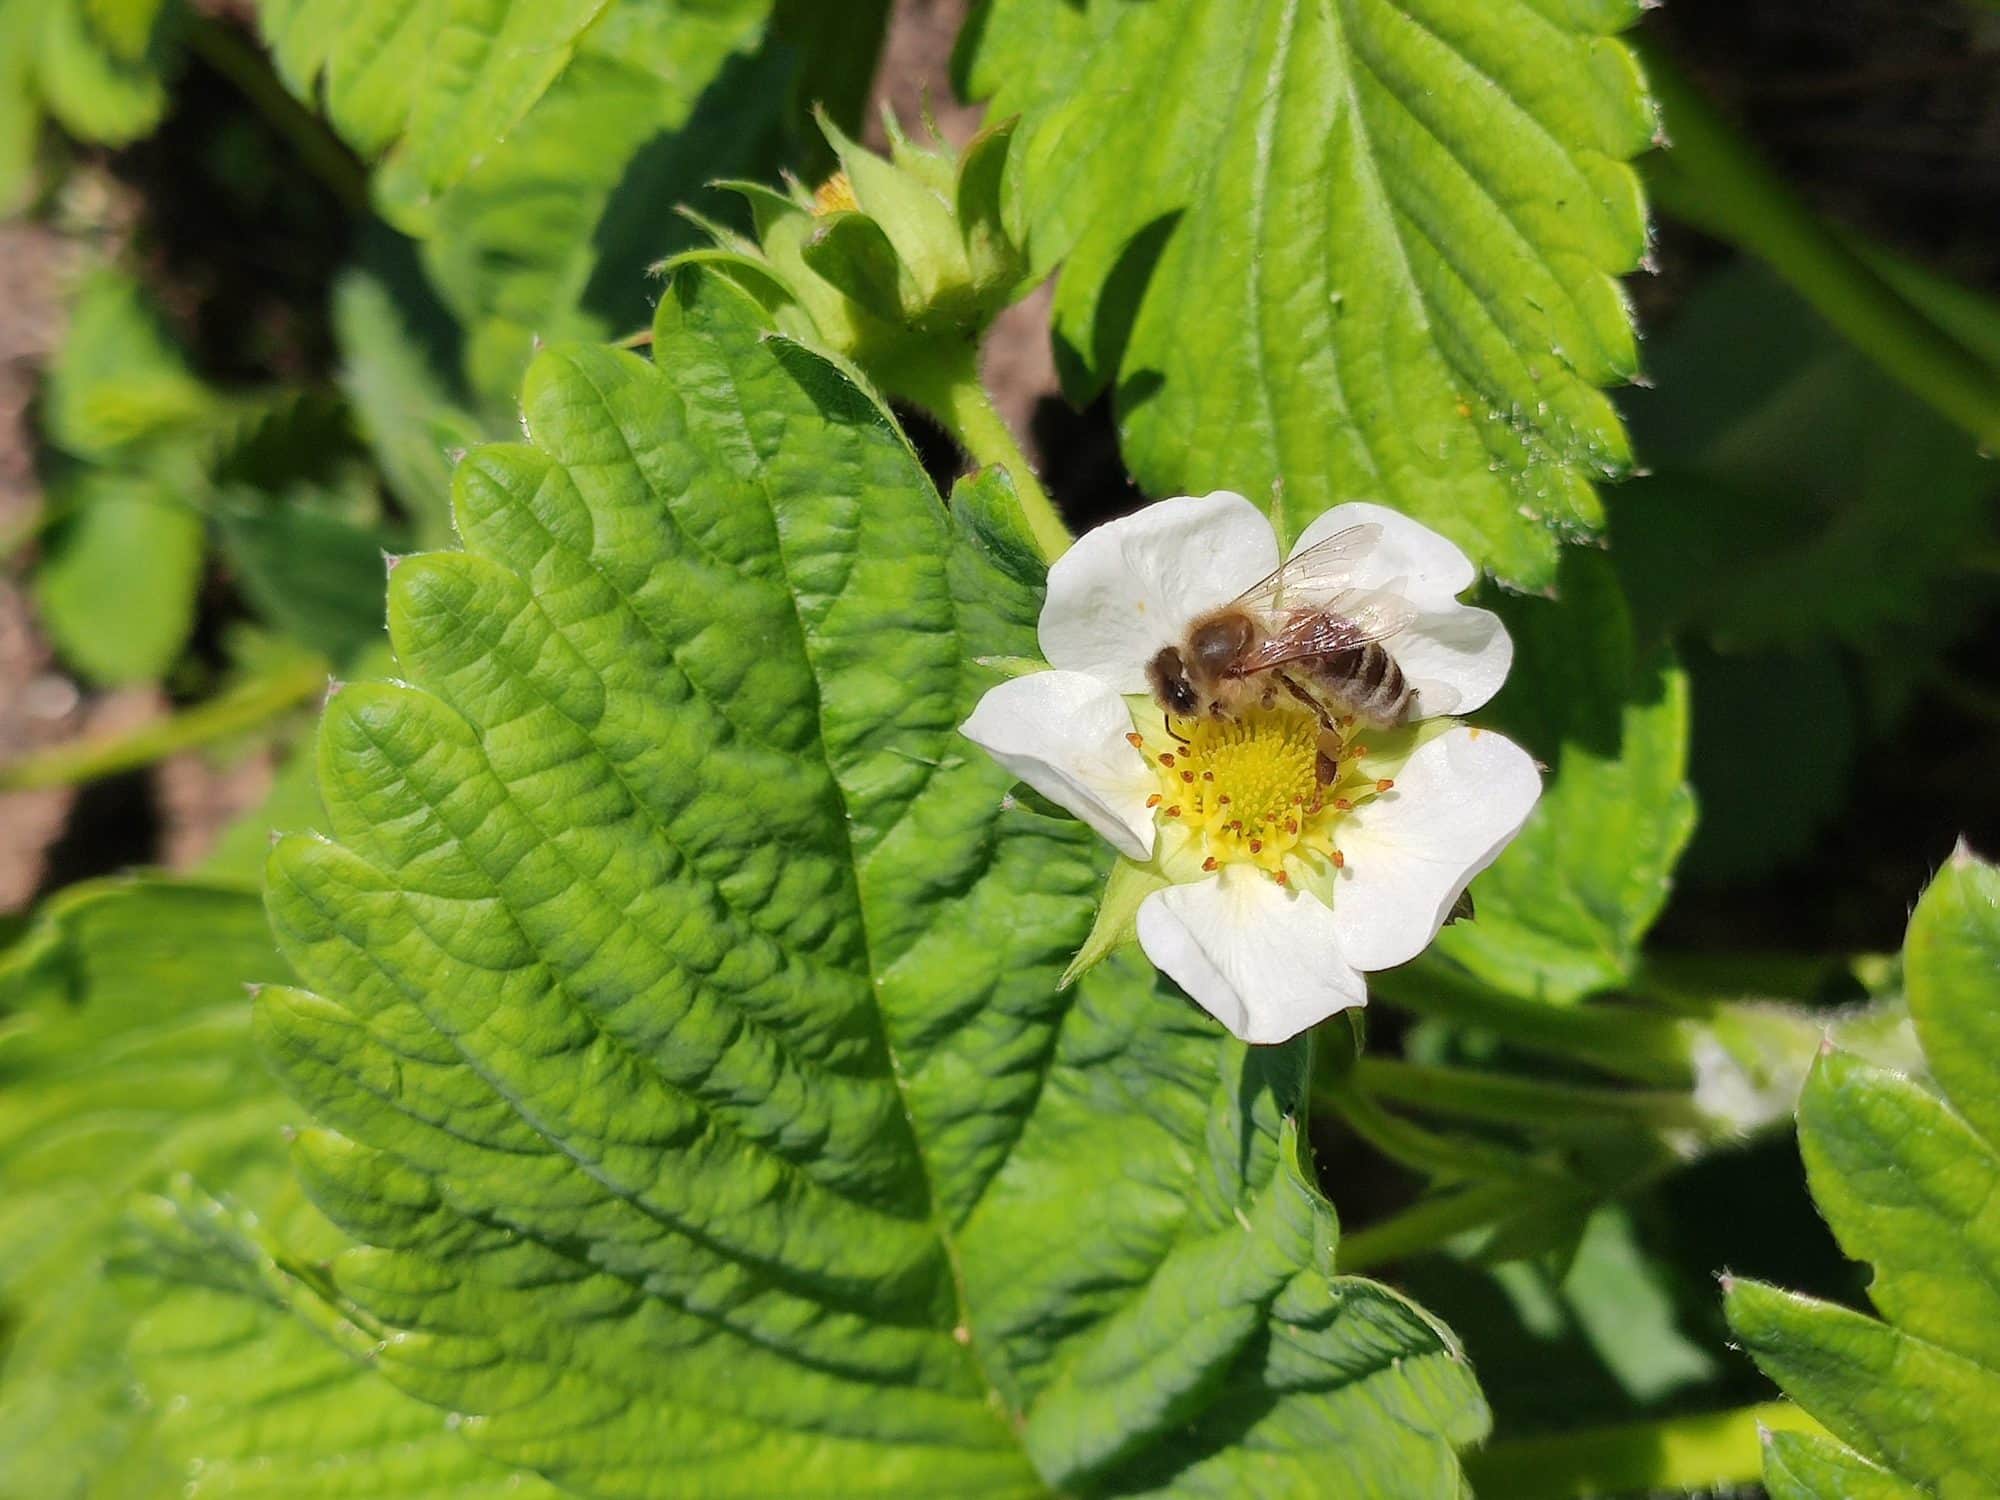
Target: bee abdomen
{"type": "Point", "coordinates": [1367, 683]}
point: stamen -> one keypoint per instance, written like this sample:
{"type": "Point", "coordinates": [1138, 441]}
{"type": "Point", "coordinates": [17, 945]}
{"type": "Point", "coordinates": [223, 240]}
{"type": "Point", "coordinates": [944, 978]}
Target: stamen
{"type": "Point", "coordinates": [1385, 783]}
{"type": "Point", "coordinates": [1249, 787]}
{"type": "Point", "coordinates": [1136, 741]}
{"type": "Point", "coordinates": [1339, 860]}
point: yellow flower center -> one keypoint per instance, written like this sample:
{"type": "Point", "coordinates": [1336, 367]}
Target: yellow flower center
{"type": "Point", "coordinates": [1249, 788]}
{"type": "Point", "coordinates": [834, 196]}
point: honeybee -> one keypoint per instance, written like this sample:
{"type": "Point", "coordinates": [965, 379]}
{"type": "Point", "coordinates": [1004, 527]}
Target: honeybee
{"type": "Point", "coordinates": [1305, 631]}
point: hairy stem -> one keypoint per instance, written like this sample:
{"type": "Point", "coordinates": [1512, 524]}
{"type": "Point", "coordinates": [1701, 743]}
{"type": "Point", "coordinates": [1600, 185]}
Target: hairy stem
{"type": "Point", "coordinates": [1429, 1223]}
{"type": "Point", "coordinates": [243, 707]}
{"type": "Point", "coordinates": [1700, 1452]}
{"type": "Point", "coordinates": [224, 49]}
{"type": "Point", "coordinates": [1713, 179]}
{"type": "Point", "coordinates": [1623, 1040]}
{"type": "Point", "coordinates": [1536, 1104]}
{"type": "Point", "coordinates": [948, 388]}
{"type": "Point", "coordinates": [1448, 1158]}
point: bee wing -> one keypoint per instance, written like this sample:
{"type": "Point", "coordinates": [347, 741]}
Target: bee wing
{"type": "Point", "coordinates": [1353, 617]}
{"type": "Point", "coordinates": [1324, 569]}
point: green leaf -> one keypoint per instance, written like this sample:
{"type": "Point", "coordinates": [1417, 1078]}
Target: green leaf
{"type": "Point", "coordinates": [116, 586]}
{"type": "Point", "coordinates": [1360, 248]}
{"type": "Point", "coordinates": [1760, 812]}
{"type": "Point", "coordinates": [1798, 1466]}
{"type": "Point", "coordinates": [315, 575]}
{"type": "Point", "coordinates": [100, 66]}
{"type": "Point", "coordinates": [143, 1322]}
{"type": "Point", "coordinates": [1909, 1181]}
{"type": "Point", "coordinates": [1598, 1337]}
{"type": "Point", "coordinates": [1802, 495]}
{"type": "Point", "coordinates": [683, 993]}
{"type": "Point", "coordinates": [550, 237]}
{"type": "Point", "coordinates": [403, 389]}
{"type": "Point", "coordinates": [119, 386]}
{"type": "Point", "coordinates": [442, 82]}
{"type": "Point", "coordinates": [124, 1058]}
{"type": "Point", "coordinates": [96, 66]}
{"type": "Point", "coordinates": [1562, 911]}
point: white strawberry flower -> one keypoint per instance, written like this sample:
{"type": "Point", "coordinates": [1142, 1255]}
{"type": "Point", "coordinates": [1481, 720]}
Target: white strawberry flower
{"type": "Point", "coordinates": [1267, 895]}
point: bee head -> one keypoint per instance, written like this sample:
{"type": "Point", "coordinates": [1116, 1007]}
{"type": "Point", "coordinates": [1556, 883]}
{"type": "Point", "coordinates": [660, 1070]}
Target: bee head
{"type": "Point", "coordinates": [1167, 674]}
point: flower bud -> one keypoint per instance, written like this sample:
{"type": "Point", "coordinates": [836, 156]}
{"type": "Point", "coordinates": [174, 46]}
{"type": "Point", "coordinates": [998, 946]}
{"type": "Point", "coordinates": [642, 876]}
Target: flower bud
{"type": "Point", "coordinates": [889, 254]}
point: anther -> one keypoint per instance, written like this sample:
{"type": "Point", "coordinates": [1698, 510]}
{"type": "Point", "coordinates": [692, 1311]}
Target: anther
{"type": "Point", "coordinates": [1339, 860]}
{"type": "Point", "coordinates": [1208, 775]}
{"type": "Point", "coordinates": [1385, 783]}
{"type": "Point", "coordinates": [1341, 804]}
{"type": "Point", "coordinates": [1357, 751]}
{"type": "Point", "coordinates": [1209, 863]}
{"type": "Point", "coordinates": [1291, 825]}
{"type": "Point", "coordinates": [1282, 878]}
{"type": "Point", "coordinates": [1256, 846]}
{"type": "Point", "coordinates": [1222, 800]}
{"type": "Point", "coordinates": [1155, 800]}
{"type": "Point", "coordinates": [1187, 776]}
{"type": "Point", "coordinates": [1174, 811]}
{"type": "Point", "coordinates": [1167, 758]}
{"type": "Point", "coordinates": [1136, 741]}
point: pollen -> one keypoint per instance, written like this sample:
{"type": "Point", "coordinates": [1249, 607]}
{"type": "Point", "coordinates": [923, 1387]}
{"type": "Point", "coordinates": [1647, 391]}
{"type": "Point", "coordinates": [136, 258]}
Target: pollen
{"type": "Point", "coordinates": [1247, 787]}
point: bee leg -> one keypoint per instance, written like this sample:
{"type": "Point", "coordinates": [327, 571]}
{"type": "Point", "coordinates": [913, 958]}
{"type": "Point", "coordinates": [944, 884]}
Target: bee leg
{"type": "Point", "coordinates": [1168, 721]}
{"type": "Point", "coordinates": [1326, 765]}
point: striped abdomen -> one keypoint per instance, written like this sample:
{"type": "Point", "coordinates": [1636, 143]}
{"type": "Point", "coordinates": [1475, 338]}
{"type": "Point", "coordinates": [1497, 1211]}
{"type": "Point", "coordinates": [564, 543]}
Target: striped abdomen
{"type": "Point", "coordinates": [1362, 680]}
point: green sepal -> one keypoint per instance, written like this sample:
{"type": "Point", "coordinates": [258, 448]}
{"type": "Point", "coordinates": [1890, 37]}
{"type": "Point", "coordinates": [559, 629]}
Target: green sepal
{"type": "Point", "coordinates": [851, 251]}
{"type": "Point", "coordinates": [914, 217]}
{"type": "Point", "coordinates": [994, 247]}
{"type": "Point", "coordinates": [1117, 916]}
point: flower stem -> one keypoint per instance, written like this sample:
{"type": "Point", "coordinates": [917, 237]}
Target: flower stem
{"type": "Point", "coordinates": [1624, 1040]}
{"type": "Point", "coordinates": [1446, 1158]}
{"type": "Point", "coordinates": [1702, 1452]}
{"type": "Point", "coordinates": [1714, 180]}
{"type": "Point", "coordinates": [949, 389]}
{"type": "Point", "coordinates": [1536, 1104]}
{"type": "Point", "coordinates": [225, 49]}
{"type": "Point", "coordinates": [243, 707]}
{"type": "Point", "coordinates": [1429, 1223]}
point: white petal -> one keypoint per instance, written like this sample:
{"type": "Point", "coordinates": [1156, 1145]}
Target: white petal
{"type": "Point", "coordinates": [1130, 586]}
{"type": "Point", "coordinates": [1455, 657]}
{"type": "Point", "coordinates": [1064, 734]}
{"type": "Point", "coordinates": [1434, 570]}
{"type": "Point", "coordinates": [1265, 961]}
{"type": "Point", "coordinates": [1412, 851]}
